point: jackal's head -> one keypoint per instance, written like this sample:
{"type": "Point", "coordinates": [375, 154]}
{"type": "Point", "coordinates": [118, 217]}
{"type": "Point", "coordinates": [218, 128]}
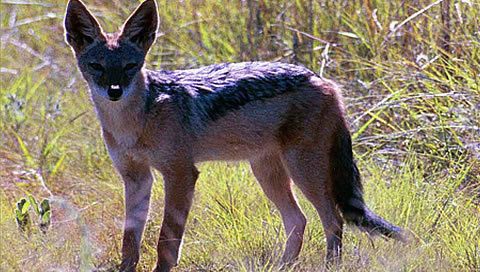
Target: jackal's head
{"type": "Point", "coordinates": [111, 63]}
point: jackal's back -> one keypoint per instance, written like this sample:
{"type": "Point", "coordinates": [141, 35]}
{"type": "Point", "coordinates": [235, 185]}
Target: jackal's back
{"type": "Point", "coordinates": [215, 90]}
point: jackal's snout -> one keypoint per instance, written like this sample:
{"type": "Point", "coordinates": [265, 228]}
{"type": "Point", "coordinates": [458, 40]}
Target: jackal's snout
{"type": "Point", "coordinates": [114, 92]}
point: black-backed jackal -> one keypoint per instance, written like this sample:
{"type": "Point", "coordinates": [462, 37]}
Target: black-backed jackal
{"type": "Point", "coordinates": [284, 119]}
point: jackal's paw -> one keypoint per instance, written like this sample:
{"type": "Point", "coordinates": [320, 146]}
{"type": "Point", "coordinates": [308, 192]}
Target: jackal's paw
{"type": "Point", "coordinates": [162, 268]}
{"type": "Point", "coordinates": [128, 265]}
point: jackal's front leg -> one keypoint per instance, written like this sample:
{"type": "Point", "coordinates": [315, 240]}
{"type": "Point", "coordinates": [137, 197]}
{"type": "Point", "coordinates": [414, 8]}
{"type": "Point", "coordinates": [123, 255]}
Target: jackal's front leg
{"type": "Point", "coordinates": [137, 179]}
{"type": "Point", "coordinates": [179, 190]}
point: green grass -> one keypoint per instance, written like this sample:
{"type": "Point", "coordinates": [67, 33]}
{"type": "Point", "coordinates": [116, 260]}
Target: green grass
{"type": "Point", "coordinates": [413, 104]}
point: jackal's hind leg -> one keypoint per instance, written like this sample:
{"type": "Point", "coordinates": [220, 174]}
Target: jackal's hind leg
{"type": "Point", "coordinates": [276, 184]}
{"type": "Point", "coordinates": [309, 171]}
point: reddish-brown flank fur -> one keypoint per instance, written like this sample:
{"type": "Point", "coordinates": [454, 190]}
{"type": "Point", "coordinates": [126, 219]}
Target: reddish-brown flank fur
{"type": "Point", "coordinates": [284, 119]}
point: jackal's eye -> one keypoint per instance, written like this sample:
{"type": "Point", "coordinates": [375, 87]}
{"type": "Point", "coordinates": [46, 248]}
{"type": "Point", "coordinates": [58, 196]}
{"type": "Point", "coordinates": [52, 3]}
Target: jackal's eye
{"type": "Point", "coordinates": [96, 66]}
{"type": "Point", "coordinates": [130, 66]}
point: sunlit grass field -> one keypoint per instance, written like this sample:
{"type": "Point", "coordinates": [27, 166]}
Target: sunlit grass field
{"type": "Point", "coordinates": [410, 72]}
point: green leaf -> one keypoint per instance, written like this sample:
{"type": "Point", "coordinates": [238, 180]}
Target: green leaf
{"type": "Point", "coordinates": [34, 204]}
{"type": "Point", "coordinates": [26, 153]}
{"type": "Point", "coordinates": [46, 217]}
{"type": "Point", "coordinates": [23, 205]}
{"type": "Point", "coordinates": [58, 164]}
{"type": "Point", "coordinates": [44, 206]}
{"type": "Point", "coordinates": [18, 215]}
{"type": "Point", "coordinates": [20, 203]}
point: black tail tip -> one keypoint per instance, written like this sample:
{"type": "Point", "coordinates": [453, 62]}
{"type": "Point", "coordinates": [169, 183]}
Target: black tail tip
{"type": "Point", "coordinates": [374, 225]}
{"type": "Point", "coordinates": [393, 232]}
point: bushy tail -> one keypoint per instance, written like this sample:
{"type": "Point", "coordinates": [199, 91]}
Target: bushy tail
{"type": "Point", "coordinates": [348, 191]}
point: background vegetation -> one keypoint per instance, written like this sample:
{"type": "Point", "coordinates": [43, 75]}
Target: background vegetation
{"type": "Point", "coordinates": [411, 75]}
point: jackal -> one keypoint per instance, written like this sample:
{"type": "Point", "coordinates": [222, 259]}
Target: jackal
{"type": "Point", "coordinates": [288, 122]}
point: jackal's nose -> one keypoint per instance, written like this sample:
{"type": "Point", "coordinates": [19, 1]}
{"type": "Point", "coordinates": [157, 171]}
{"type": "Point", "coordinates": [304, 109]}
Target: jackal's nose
{"type": "Point", "coordinates": [114, 92]}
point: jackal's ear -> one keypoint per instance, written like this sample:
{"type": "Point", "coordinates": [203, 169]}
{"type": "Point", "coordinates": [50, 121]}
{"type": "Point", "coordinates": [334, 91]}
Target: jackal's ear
{"type": "Point", "coordinates": [141, 27]}
{"type": "Point", "coordinates": [80, 26]}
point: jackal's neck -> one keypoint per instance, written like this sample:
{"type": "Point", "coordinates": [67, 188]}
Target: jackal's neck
{"type": "Point", "coordinates": [125, 118]}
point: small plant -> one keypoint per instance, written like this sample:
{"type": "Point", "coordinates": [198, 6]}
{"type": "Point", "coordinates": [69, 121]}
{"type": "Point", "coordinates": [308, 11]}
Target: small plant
{"type": "Point", "coordinates": [22, 216]}
{"type": "Point", "coordinates": [43, 212]}
{"type": "Point", "coordinates": [45, 215]}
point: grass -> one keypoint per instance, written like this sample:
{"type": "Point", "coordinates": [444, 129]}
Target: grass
{"type": "Point", "coordinates": [411, 90]}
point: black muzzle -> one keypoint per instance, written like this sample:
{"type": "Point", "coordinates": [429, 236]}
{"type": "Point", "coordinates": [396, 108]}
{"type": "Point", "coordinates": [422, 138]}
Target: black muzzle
{"type": "Point", "coordinates": [114, 92]}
